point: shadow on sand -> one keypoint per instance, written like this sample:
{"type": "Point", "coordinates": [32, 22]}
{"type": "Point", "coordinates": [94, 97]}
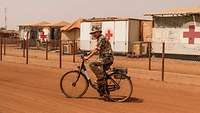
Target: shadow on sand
{"type": "Point", "coordinates": [130, 100]}
{"type": "Point", "coordinates": [134, 100]}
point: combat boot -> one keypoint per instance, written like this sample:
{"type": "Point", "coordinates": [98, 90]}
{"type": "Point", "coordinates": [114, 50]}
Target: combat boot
{"type": "Point", "coordinates": [101, 87]}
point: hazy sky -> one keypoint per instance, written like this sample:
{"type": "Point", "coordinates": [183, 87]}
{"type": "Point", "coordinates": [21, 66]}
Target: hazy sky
{"type": "Point", "coordinates": [23, 11]}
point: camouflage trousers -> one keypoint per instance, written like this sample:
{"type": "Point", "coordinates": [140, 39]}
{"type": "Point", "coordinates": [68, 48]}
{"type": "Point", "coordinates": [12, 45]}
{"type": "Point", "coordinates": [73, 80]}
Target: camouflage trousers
{"type": "Point", "coordinates": [100, 66]}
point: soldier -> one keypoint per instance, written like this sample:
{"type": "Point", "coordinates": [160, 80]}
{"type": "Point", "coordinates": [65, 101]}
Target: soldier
{"type": "Point", "coordinates": [105, 58]}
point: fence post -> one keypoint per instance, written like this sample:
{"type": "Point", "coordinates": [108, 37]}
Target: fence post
{"type": "Point", "coordinates": [74, 49]}
{"type": "Point", "coordinates": [140, 49]}
{"type": "Point", "coordinates": [27, 47]}
{"type": "Point", "coordinates": [60, 52]}
{"type": "Point", "coordinates": [149, 45]}
{"type": "Point", "coordinates": [1, 44]}
{"type": "Point", "coordinates": [24, 47]}
{"type": "Point", "coordinates": [63, 51]}
{"type": "Point", "coordinates": [4, 46]}
{"type": "Point", "coordinates": [47, 49]}
{"type": "Point", "coordinates": [163, 60]}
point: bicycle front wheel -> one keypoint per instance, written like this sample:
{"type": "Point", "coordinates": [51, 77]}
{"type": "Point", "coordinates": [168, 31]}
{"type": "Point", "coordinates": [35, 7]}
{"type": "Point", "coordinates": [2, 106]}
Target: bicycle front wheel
{"type": "Point", "coordinates": [120, 87]}
{"type": "Point", "coordinates": [73, 84]}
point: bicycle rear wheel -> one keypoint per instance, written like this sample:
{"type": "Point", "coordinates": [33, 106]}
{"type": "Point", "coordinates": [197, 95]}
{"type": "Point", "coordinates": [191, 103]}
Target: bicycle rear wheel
{"type": "Point", "coordinates": [120, 87]}
{"type": "Point", "coordinates": [73, 84]}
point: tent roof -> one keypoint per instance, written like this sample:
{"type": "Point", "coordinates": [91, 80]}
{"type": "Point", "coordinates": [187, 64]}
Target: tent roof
{"type": "Point", "coordinates": [74, 25]}
{"type": "Point", "coordinates": [60, 23]}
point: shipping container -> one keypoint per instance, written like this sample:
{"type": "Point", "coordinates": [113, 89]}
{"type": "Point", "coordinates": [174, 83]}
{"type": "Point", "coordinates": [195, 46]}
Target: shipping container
{"type": "Point", "coordinates": [181, 35]}
{"type": "Point", "coordinates": [179, 28]}
{"type": "Point", "coordinates": [120, 32]}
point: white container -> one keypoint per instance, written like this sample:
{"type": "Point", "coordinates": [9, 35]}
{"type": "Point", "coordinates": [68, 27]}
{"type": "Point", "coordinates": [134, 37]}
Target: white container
{"type": "Point", "coordinates": [175, 42]}
{"type": "Point", "coordinates": [121, 33]}
{"type": "Point", "coordinates": [181, 35]}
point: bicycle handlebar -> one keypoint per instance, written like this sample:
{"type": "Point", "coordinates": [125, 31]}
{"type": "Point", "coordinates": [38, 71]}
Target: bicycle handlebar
{"type": "Point", "coordinates": [83, 53]}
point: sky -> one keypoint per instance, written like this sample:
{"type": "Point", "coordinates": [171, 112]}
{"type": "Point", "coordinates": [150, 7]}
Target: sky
{"type": "Point", "coordinates": [25, 11]}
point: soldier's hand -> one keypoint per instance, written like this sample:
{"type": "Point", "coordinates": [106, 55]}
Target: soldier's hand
{"type": "Point", "coordinates": [85, 58]}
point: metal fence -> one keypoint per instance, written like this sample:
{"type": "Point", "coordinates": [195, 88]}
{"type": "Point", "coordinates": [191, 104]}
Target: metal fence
{"type": "Point", "coordinates": [181, 58]}
{"type": "Point", "coordinates": [60, 53]}
{"type": "Point", "coordinates": [51, 53]}
{"type": "Point", "coordinates": [159, 60]}
{"type": "Point", "coordinates": [10, 47]}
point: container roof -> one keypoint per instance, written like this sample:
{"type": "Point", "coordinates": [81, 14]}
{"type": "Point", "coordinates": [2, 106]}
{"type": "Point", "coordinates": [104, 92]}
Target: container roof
{"type": "Point", "coordinates": [175, 12]}
{"type": "Point", "coordinates": [9, 32]}
{"type": "Point", "coordinates": [36, 23]}
{"type": "Point", "coordinates": [43, 23]}
{"type": "Point", "coordinates": [94, 19]}
{"type": "Point", "coordinates": [46, 24]}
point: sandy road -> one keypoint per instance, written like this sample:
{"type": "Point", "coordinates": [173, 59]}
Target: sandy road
{"type": "Point", "coordinates": [35, 89]}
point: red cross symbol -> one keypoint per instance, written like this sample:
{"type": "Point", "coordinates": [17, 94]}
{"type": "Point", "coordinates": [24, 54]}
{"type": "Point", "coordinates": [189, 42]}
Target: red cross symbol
{"type": "Point", "coordinates": [42, 36]}
{"type": "Point", "coordinates": [109, 34]}
{"type": "Point", "coordinates": [191, 34]}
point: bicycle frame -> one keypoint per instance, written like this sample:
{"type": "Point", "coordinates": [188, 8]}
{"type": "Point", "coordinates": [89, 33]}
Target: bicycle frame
{"type": "Point", "coordinates": [82, 70]}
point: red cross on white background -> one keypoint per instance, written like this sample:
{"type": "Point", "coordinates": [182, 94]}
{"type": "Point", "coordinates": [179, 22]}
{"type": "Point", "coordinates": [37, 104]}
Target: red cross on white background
{"type": "Point", "coordinates": [108, 34]}
{"type": "Point", "coordinates": [191, 35]}
{"type": "Point", "coordinates": [42, 36]}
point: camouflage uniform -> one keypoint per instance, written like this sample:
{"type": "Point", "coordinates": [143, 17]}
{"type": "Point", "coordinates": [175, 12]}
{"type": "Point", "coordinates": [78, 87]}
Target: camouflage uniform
{"type": "Point", "coordinates": [105, 59]}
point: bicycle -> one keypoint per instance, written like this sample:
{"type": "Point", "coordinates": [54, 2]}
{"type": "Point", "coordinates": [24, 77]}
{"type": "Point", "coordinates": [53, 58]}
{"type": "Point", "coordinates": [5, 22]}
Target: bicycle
{"type": "Point", "coordinates": [74, 84]}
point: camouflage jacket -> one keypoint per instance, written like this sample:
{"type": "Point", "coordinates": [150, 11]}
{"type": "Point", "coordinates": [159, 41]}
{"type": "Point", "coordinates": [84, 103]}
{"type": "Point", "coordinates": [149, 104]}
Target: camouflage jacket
{"type": "Point", "coordinates": [104, 47]}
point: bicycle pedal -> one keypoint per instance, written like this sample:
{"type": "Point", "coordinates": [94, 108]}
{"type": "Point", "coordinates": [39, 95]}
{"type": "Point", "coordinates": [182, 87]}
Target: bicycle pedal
{"type": "Point", "coordinates": [107, 99]}
{"type": "Point", "coordinates": [100, 98]}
